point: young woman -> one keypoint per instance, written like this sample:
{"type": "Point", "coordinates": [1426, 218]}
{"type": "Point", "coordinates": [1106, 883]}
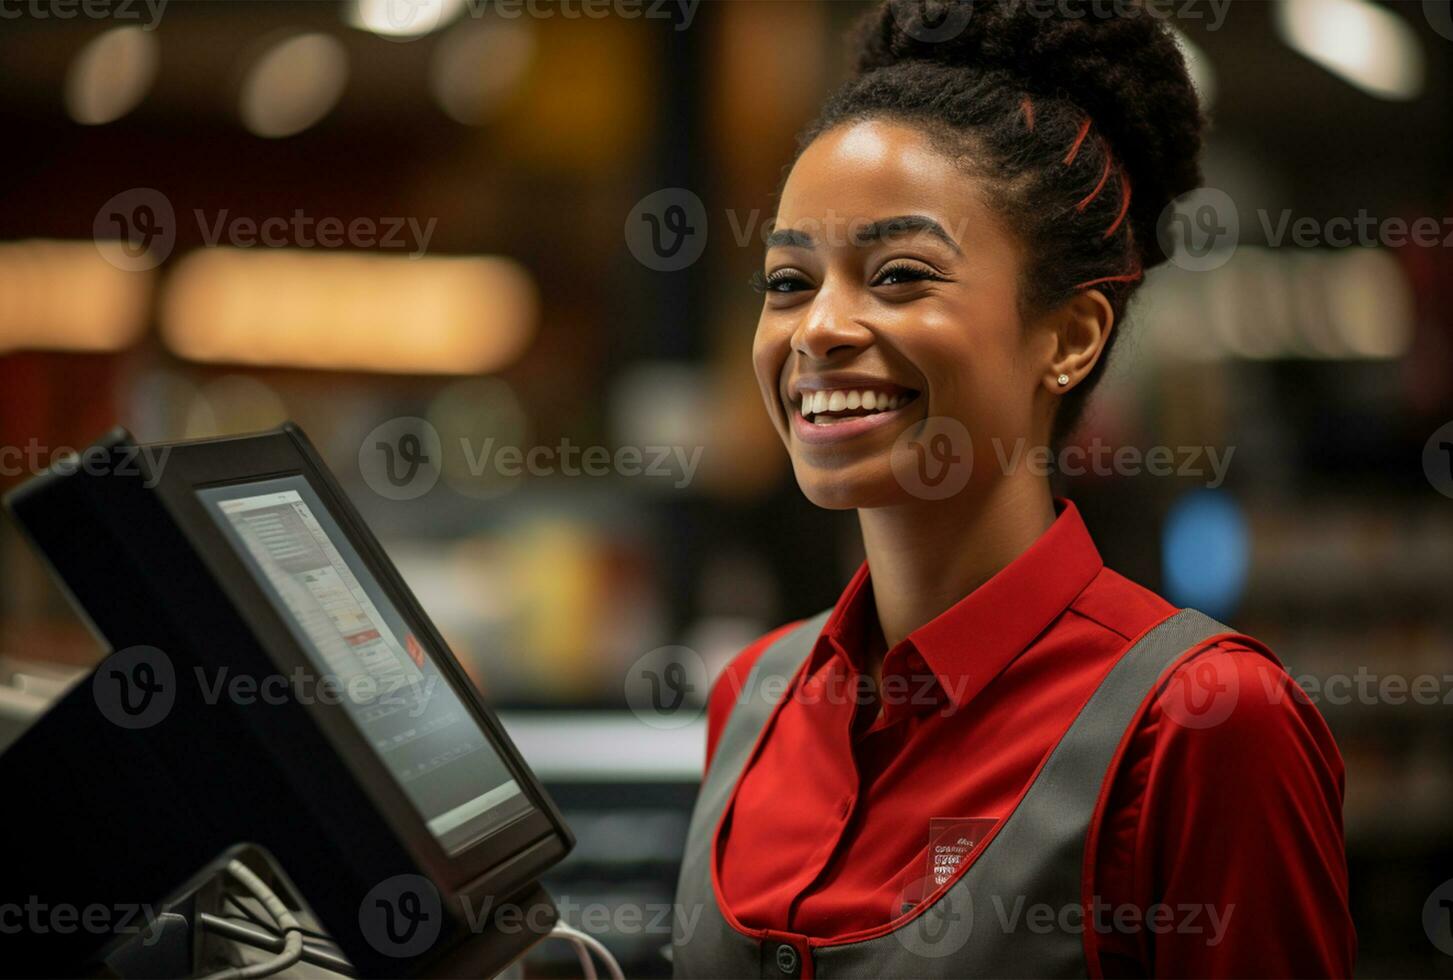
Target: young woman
{"type": "Point", "coordinates": [994, 756]}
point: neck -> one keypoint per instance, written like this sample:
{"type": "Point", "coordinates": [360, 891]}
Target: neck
{"type": "Point", "coordinates": [926, 556]}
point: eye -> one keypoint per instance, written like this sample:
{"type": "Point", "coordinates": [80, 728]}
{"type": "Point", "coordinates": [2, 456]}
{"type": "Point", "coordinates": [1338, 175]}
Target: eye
{"type": "Point", "coordinates": [780, 281]}
{"type": "Point", "coordinates": [902, 273]}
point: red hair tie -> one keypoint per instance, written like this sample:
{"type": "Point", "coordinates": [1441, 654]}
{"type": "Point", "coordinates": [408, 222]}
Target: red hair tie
{"type": "Point", "coordinates": [1104, 176]}
{"type": "Point", "coordinates": [1129, 277]}
{"type": "Point", "coordinates": [1027, 104]}
{"type": "Point", "coordinates": [1124, 203]}
{"type": "Point", "coordinates": [1079, 140]}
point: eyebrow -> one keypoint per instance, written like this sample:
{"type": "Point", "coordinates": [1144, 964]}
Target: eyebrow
{"type": "Point", "coordinates": [894, 227]}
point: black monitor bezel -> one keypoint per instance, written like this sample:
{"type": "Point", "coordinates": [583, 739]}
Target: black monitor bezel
{"type": "Point", "coordinates": [497, 864]}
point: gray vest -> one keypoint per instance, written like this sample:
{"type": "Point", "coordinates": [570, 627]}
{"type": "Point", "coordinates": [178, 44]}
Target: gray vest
{"type": "Point", "coordinates": [1033, 861]}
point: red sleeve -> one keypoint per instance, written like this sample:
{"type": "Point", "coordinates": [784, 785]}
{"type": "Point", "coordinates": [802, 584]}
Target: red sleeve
{"type": "Point", "coordinates": [1223, 832]}
{"type": "Point", "coordinates": [728, 688]}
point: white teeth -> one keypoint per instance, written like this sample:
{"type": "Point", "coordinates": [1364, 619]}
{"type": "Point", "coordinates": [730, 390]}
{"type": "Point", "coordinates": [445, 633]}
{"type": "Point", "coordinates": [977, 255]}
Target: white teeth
{"type": "Point", "coordinates": [817, 402]}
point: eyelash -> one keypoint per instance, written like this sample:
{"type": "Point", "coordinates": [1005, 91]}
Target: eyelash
{"type": "Point", "coordinates": [911, 272]}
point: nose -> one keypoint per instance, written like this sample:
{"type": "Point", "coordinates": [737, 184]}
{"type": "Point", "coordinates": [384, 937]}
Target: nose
{"type": "Point", "coordinates": [830, 327]}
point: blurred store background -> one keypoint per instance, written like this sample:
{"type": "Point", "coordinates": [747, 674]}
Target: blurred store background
{"type": "Point", "coordinates": [220, 215]}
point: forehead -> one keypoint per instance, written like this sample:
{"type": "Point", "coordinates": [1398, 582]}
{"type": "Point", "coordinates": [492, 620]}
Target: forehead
{"type": "Point", "coordinates": [873, 169]}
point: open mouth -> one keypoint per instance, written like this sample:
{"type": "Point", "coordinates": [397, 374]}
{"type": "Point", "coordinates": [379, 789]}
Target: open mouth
{"type": "Point", "coordinates": [826, 408]}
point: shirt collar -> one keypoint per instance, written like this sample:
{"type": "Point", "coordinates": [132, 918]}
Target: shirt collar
{"type": "Point", "coordinates": [970, 643]}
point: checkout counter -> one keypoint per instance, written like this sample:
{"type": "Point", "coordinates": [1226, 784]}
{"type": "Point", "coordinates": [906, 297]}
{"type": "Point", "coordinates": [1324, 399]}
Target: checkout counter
{"type": "Point", "coordinates": [280, 768]}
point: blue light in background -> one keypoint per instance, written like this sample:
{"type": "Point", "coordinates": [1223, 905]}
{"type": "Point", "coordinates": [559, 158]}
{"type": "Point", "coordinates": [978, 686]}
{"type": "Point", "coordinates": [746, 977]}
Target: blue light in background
{"type": "Point", "coordinates": [1205, 552]}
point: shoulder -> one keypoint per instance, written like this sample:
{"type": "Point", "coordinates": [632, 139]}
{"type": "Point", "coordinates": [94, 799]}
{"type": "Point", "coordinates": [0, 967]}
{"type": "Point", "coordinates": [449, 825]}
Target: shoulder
{"type": "Point", "coordinates": [1228, 795]}
{"type": "Point", "coordinates": [726, 690]}
{"type": "Point", "coordinates": [1228, 722]}
{"type": "Point", "coordinates": [1235, 699]}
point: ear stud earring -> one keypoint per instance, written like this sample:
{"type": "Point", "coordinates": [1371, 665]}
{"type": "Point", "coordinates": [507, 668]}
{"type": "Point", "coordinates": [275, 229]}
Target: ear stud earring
{"type": "Point", "coordinates": [1064, 380]}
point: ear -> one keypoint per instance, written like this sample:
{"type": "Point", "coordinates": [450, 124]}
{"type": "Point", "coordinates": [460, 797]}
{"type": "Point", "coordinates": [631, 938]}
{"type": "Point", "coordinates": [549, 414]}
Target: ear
{"type": "Point", "coordinates": [1080, 329]}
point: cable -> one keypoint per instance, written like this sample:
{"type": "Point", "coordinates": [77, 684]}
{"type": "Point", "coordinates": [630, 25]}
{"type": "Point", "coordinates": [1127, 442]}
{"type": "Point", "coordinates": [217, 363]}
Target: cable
{"type": "Point", "coordinates": [291, 929]}
{"type": "Point", "coordinates": [571, 934]}
{"type": "Point", "coordinates": [587, 965]}
{"type": "Point", "coordinates": [257, 920]}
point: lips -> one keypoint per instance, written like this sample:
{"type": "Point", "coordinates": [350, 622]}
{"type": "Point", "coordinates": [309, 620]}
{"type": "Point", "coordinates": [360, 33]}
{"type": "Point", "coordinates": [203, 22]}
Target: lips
{"type": "Point", "coordinates": [824, 415]}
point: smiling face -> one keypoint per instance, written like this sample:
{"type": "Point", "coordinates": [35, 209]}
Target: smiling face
{"type": "Point", "coordinates": [892, 296]}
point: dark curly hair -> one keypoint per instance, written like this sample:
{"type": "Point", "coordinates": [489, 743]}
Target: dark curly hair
{"type": "Point", "coordinates": [1085, 125]}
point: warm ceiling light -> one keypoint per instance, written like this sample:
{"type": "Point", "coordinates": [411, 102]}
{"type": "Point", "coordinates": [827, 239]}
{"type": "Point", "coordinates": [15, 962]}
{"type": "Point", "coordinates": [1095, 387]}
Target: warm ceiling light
{"type": "Point", "coordinates": [111, 75]}
{"type": "Point", "coordinates": [476, 68]}
{"type": "Point", "coordinates": [66, 296]}
{"type": "Point", "coordinates": [293, 84]}
{"type": "Point", "coordinates": [349, 311]}
{"type": "Point", "coordinates": [1361, 42]}
{"type": "Point", "coordinates": [403, 18]}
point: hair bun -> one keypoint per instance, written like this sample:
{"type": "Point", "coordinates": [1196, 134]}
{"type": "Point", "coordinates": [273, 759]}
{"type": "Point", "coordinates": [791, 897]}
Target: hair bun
{"type": "Point", "coordinates": [1124, 70]}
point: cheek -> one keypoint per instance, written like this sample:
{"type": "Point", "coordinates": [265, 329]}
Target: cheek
{"type": "Point", "coordinates": [770, 348]}
{"type": "Point", "coordinates": [972, 353]}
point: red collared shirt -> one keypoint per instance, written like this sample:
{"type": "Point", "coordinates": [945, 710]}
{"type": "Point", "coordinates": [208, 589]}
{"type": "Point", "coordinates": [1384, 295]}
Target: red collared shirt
{"type": "Point", "coordinates": [1218, 851]}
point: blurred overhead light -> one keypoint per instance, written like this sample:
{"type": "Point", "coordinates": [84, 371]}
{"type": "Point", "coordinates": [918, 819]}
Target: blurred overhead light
{"type": "Point", "coordinates": [1284, 304]}
{"type": "Point", "coordinates": [349, 311]}
{"type": "Point", "coordinates": [403, 18]}
{"type": "Point", "coordinates": [295, 83]}
{"type": "Point", "coordinates": [67, 296]}
{"type": "Point", "coordinates": [478, 66]}
{"type": "Point", "coordinates": [1361, 42]}
{"type": "Point", "coordinates": [111, 75]}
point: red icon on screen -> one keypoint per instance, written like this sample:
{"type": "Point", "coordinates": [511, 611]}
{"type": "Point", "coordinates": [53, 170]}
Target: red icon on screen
{"type": "Point", "coordinates": [416, 652]}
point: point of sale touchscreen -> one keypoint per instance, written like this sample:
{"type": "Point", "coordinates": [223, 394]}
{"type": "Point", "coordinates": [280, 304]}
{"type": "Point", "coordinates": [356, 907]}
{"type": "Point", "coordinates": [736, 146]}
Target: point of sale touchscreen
{"type": "Point", "coordinates": [382, 674]}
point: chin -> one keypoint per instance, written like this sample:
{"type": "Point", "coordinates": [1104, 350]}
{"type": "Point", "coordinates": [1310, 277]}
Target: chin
{"type": "Point", "coordinates": [849, 488]}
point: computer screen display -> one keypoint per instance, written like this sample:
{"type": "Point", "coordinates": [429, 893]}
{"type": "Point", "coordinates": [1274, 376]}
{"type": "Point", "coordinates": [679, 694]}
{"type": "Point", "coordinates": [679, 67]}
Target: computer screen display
{"type": "Point", "coordinates": [384, 676]}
